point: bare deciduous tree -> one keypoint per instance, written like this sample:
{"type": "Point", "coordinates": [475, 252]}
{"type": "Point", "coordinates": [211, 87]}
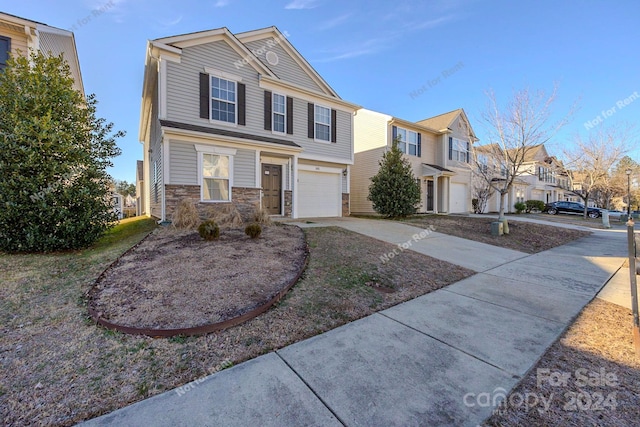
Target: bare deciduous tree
{"type": "Point", "coordinates": [512, 131]}
{"type": "Point", "coordinates": [590, 160]}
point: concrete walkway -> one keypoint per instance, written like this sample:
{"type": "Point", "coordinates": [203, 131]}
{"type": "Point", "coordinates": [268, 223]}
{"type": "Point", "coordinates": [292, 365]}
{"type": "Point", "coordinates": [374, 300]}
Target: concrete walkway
{"type": "Point", "coordinates": [423, 362]}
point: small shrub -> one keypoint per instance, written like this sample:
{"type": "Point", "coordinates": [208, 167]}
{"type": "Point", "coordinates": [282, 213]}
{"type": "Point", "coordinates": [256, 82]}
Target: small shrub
{"type": "Point", "coordinates": [186, 215]}
{"type": "Point", "coordinates": [209, 230]}
{"type": "Point", "coordinates": [520, 207]}
{"type": "Point", "coordinates": [534, 205]}
{"type": "Point", "coordinates": [225, 215]}
{"type": "Point", "coordinates": [253, 230]}
{"type": "Point", "coordinates": [261, 216]}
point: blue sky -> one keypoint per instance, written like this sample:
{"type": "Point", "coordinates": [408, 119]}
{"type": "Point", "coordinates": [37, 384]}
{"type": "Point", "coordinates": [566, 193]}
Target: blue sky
{"type": "Point", "coordinates": [409, 58]}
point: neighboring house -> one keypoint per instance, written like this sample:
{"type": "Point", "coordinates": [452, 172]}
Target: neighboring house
{"type": "Point", "coordinates": [437, 149]}
{"type": "Point", "coordinates": [540, 177]}
{"type": "Point", "coordinates": [243, 119]}
{"type": "Point", "coordinates": [20, 36]}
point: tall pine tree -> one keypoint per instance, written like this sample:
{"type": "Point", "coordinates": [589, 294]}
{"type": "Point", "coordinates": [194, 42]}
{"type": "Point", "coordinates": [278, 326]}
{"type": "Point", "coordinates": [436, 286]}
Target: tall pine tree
{"type": "Point", "coordinates": [54, 151]}
{"type": "Point", "coordinates": [394, 190]}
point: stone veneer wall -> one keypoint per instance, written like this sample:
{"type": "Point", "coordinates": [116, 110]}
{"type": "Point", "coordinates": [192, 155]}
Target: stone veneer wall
{"type": "Point", "coordinates": [345, 204]}
{"type": "Point", "coordinates": [244, 199]}
{"type": "Point", "coordinates": [288, 206]}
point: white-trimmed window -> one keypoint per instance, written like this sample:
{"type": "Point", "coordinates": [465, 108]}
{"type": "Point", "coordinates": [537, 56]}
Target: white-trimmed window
{"type": "Point", "coordinates": [223, 100]}
{"type": "Point", "coordinates": [215, 168]}
{"type": "Point", "coordinates": [458, 150]}
{"type": "Point", "coordinates": [279, 113]}
{"type": "Point", "coordinates": [322, 123]}
{"type": "Point", "coordinates": [407, 141]}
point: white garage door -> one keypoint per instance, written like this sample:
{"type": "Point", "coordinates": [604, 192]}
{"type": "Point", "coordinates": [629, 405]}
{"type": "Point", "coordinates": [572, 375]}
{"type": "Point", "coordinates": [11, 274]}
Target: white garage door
{"type": "Point", "coordinates": [458, 197]}
{"type": "Point", "coordinates": [319, 194]}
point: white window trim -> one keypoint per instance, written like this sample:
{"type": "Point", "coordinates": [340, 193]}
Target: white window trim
{"type": "Point", "coordinates": [455, 154]}
{"type": "Point", "coordinates": [315, 138]}
{"type": "Point", "coordinates": [221, 151]}
{"type": "Point", "coordinates": [228, 77]}
{"type": "Point", "coordinates": [406, 142]}
{"type": "Point", "coordinates": [273, 113]}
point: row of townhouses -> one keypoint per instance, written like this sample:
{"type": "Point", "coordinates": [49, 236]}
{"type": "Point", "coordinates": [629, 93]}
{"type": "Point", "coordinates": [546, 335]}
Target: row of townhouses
{"type": "Point", "coordinates": [245, 119]}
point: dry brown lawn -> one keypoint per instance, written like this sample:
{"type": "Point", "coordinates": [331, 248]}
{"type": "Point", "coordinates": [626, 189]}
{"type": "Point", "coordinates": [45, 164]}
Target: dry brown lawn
{"type": "Point", "coordinates": [589, 377]}
{"type": "Point", "coordinates": [58, 368]}
{"type": "Point", "coordinates": [523, 236]}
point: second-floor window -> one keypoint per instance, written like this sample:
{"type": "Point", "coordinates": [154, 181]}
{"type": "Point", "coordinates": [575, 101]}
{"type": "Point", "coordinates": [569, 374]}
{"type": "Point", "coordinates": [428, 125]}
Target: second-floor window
{"type": "Point", "coordinates": [279, 113]}
{"type": "Point", "coordinates": [323, 123]}
{"type": "Point", "coordinates": [407, 141]}
{"type": "Point", "coordinates": [458, 150]}
{"type": "Point", "coordinates": [5, 50]}
{"type": "Point", "coordinates": [223, 100]}
{"type": "Point", "coordinates": [222, 97]}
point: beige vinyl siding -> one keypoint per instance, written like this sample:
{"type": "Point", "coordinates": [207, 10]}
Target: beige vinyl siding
{"type": "Point", "coordinates": [244, 169]}
{"type": "Point", "coordinates": [371, 133]}
{"type": "Point", "coordinates": [57, 44]}
{"type": "Point", "coordinates": [183, 100]}
{"type": "Point", "coordinates": [18, 40]}
{"type": "Point", "coordinates": [371, 130]}
{"type": "Point", "coordinates": [286, 67]}
{"type": "Point", "coordinates": [183, 161]}
{"type": "Point", "coordinates": [364, 167]}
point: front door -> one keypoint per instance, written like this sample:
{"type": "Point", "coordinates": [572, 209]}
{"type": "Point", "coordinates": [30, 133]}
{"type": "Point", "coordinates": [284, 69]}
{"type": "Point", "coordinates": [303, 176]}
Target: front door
{"type": "Point", "coordinates": [429, 195]}
{"type": "Point", "coordinates": [271, 188]}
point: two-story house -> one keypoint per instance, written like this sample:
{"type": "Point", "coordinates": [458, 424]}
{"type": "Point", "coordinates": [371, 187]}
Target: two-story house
{"type": "Point", "coordinates": [20, 36]}
{"type": "Point", "coordinates": [243, 119]}
{"type": "Point", "coordinates": [437, 149]}
{"type": "Point", "coordinates": [540, 177]}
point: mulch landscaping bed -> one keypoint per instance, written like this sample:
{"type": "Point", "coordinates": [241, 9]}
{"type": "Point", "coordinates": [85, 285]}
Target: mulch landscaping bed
{"type": "Point", "coordinates": [523, 236]}
{"type": "Point", "coordinates": [175, 280]}
{"type": "Point", "coordinates": [589, 377]}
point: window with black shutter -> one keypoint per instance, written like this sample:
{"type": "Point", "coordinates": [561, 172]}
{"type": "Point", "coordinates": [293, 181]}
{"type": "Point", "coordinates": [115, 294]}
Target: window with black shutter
{"type": "Point", "coordinates": [5, 51]}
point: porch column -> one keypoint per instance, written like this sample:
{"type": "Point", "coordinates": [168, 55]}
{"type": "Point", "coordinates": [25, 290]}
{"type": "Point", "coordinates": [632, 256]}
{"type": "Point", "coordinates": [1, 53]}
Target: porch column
{"type": "Point", "coordinates": [447, 192]}
{"type": "Point", "coordinates": [435, 194]}
{"type": "Point", "coordinates": [294, 189]}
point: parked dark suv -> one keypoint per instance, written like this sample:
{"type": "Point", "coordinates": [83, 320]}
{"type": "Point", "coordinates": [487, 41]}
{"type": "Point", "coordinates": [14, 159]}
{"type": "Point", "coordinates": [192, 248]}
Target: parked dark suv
{"type": "Point", "coordinates": [570, 208]}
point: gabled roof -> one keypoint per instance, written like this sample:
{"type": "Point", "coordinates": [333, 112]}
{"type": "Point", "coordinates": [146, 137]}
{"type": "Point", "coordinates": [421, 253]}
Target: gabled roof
{"type": "Point", "coordinates": [274, 32]}
{"type": "Point", "coordinates": [441, 121]}
{"type": "Point", "coordinates": [445, 121]}
{"type": "Point", "coordinates": [45, 38]}
{"type": "Point", "coordinates": [201, 37]}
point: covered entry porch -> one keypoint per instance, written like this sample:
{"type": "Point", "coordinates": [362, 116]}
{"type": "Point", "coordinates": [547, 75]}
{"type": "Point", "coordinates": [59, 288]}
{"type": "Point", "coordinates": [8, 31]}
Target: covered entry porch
{"type": "Point", "coordinates": [435, 188]}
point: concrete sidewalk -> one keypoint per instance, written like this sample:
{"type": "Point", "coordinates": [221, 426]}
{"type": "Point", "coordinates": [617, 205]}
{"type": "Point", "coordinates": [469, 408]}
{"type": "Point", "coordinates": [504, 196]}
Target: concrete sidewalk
{"type": "Point", "coordinates": [423, 362]}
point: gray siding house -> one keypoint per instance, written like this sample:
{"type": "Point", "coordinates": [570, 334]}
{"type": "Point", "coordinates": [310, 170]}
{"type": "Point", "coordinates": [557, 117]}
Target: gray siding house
{"type": "Point", "coordinates": [243, 119]}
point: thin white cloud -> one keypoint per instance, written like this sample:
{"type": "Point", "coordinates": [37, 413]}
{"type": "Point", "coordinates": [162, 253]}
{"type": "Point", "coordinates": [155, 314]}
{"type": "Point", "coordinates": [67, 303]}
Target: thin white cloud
{"type": "Point", "coordinates": [432, 23]}
{"type": "Point", "coordinates": [367, 47]}
{"type": "Point", "coordinates": [176, 21]}
{"type": "Point", "coordinates": [301, 4]}
{"type": "Point", "coordinates": [332, 23]}
{"type": "Point", "coordinates": [221, 3]}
